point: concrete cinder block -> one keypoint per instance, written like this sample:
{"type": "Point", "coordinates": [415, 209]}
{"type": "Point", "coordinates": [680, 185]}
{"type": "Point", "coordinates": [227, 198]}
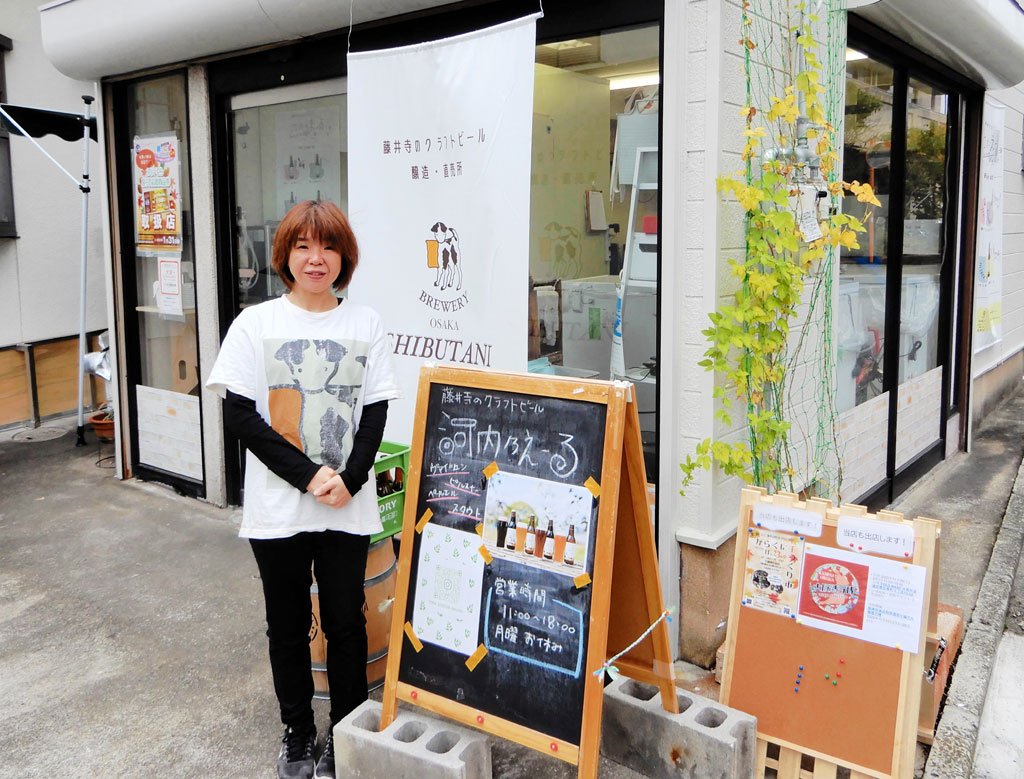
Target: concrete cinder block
{"type": "Point", "coordinates": [706, 739]}
{"type": "Point", "coordinates": [414, 746]}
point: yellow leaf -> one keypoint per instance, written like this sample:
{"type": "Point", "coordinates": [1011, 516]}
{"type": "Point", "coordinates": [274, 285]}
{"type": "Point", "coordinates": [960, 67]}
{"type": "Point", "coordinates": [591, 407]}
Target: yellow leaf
{"type": "Point", "coordinates": [848, 238]}
{"type": "Point", "coordinates": [785, 109]}
{"type": "Point", "coordinates": [865, 193]}
{"type": "Point", "coordinates": [749, 197]}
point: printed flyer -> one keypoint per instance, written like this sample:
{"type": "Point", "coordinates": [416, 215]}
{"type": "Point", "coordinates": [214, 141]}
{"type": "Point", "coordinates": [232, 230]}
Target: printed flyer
{"type": "Point", "coordinates": [157, 197]}
{"type": "Point", "coordinates": [448, 594]}
{"type": "Point", "coordinates": [861, 596]}
{"type": "Point", "coordinates": [772, 572]}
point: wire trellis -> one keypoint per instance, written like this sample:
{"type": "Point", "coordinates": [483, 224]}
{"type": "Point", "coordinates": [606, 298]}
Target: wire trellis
{"type": "Point", "coordinates": [805, 397]}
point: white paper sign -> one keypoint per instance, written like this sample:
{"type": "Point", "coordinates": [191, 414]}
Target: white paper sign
{"type": "Point", "coordinates": [860, 596]}
{"type": "Point", "coordinates": [449, 582]}
{"type": "Point", "coordinates": [168, 285]}
{"type": "Point", "coordinates": [988, 281]}
{"type": "Point", "coordinates": [805, 523]}
{"type": "Point", "coordinates": [439, 196]}
{"type": "Point", "coordinates": [170, 437]}
{"type": "Point", "coordinates": [873, 535]}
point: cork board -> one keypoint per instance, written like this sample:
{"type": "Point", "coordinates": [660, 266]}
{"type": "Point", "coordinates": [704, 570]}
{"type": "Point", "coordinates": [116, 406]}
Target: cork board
{"type": "Point", "coordinates": [831, 696]}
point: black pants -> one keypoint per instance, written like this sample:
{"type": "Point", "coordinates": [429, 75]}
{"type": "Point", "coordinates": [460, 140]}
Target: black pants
{"type": "Point", "coordinates": [339, 562]}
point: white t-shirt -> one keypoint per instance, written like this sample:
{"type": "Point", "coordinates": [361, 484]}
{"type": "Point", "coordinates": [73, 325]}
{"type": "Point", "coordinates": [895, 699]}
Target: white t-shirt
{"type": "Point", "coordinates": [310, 374]}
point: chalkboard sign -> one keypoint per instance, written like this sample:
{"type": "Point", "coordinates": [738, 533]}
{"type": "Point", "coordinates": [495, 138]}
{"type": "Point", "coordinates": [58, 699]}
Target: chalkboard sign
{"type": "Point", "coordinates": [515, 487]}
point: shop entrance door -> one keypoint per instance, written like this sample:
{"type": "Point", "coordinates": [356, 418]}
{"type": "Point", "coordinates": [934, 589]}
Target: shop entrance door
{"type": "Point", "coordinates": [288, 145]}
{"type": "Point", "coordinates": [157, 283]}
{"type": "Point", "coordinates": [895, 299]}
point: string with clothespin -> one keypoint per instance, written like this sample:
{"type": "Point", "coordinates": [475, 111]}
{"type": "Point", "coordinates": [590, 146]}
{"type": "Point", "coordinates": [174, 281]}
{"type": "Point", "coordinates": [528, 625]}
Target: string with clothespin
{"type": "Point", "coordinates": [608, 665]}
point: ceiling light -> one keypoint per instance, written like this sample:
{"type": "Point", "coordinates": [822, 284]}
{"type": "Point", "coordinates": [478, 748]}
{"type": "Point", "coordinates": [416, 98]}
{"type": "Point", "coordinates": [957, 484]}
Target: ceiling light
{"type": "Point", "coordinates": [635, 80]}
{"type": "Point", "coordinates": [852, 55]}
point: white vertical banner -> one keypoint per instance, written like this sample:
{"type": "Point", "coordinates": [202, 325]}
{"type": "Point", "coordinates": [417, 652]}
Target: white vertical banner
{"type": "Point", "coordinates": [988, 263]}
{"type": "Point", "coordinates": [439, 198]}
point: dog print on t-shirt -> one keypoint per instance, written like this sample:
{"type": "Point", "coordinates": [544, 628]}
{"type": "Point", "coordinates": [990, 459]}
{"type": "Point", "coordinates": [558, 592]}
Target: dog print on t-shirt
{"type": "Point", "coordinates": [314, 387]}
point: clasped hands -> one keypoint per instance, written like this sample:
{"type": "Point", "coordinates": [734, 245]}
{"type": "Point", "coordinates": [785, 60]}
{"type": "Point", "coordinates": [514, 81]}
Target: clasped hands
{"type": "Point", "coordinates": [328, 488]}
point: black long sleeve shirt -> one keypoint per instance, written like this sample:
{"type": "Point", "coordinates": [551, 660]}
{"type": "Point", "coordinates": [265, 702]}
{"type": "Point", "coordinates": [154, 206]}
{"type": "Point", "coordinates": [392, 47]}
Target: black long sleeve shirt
{"type": "Point", "coordinates": [291, 464]}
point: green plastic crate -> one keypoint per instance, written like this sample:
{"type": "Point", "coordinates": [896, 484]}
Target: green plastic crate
{"type": "Point", "coordinates": [390, 457]}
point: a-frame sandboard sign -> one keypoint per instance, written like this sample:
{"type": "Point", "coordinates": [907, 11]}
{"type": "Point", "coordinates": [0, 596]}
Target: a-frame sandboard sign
{"type": "Point", "coordinates": [506, 626]}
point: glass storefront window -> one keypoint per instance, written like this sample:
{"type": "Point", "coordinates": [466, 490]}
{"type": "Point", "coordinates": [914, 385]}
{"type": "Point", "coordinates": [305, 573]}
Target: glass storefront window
{"type": "Point", "coordinates": [167, 392]}
{"type": "Point", "coordinates": [286, 151]}
{"type": "Point", "coordinates": [594, 211]}
{"type": "Point", "coordinates": [924, 206]}
{"type": "Point", "coordinates": [860, 315]}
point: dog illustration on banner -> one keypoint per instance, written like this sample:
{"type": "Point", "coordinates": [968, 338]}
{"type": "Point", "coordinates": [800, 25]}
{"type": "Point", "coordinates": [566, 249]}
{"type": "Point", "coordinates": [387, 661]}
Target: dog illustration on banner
{"type": "Point", "coordinates": [445, 256]}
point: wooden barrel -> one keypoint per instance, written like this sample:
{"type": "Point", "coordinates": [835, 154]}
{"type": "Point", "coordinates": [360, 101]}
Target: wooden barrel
{"type": "Point", "coordinates": [379, 593]}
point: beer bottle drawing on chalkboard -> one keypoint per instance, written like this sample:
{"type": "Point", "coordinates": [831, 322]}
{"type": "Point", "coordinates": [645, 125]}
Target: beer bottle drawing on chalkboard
{"type": "Point", "coordinates": [530, 547]}
{"type": "Point", "coordinates": [569, 558]}
{"type": "Point", "coordinates": [502, 538]}
{"type": "Point", "coordinates": [549, 541]}
{"type": "Point", "coordinates": [510, 539]}
{"type": "Point", "coordinates": [538, 547]}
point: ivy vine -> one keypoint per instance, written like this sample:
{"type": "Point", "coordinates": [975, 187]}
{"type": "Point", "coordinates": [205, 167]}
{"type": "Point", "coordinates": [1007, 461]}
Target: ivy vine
{"type": "Point", "coordinates": [789, 151]}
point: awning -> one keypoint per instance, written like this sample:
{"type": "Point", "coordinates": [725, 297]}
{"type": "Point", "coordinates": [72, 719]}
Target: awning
{"type": "Point", "coordinates": [38, 122]}
{"type": "Point", "coordinates": [982, 39]}
{"type": "Point", "coordinates": [89, 39]}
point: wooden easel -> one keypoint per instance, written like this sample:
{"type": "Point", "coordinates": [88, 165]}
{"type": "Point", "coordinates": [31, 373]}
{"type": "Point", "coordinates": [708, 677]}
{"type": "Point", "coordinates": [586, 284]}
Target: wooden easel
{"type": "Point", "coordinates": [626, 596]}
{"type": "Point", "coordinates": [881, 686]}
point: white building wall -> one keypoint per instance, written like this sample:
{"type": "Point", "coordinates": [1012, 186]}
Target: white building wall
{"type": "Point", "coordinates": [39, 270]}
{"type": "Point", "coordinates": [1013, 235]}
{"type": "Point", "coordinates": [689, 257]}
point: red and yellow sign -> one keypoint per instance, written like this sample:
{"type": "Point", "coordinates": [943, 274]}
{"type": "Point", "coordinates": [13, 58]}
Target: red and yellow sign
{"type": "Point", "coordinates": [157, 196]}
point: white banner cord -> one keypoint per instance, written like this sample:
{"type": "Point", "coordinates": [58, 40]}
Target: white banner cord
{"type": "Point", "coordinates": [351, 19]}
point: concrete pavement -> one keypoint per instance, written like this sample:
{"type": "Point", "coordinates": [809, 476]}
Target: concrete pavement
{"type": "Point", "coordinates": [132, 633]}
{"type": "Point", "coordinates": [131, 626]}
{"type": "Point", "coordinates": [980, 499]}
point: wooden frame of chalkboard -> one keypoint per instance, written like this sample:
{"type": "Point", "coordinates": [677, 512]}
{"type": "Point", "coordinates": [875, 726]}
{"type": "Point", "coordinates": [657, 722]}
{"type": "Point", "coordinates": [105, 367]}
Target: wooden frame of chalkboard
{"type": "Point", "coordinates": [826, 694]}
{"type": "Point", "coordinates": [524, 494]}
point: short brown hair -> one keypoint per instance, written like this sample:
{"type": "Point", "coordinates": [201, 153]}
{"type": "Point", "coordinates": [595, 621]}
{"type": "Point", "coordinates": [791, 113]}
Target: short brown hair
{"type": "Point", "coordinates": [318, 220]}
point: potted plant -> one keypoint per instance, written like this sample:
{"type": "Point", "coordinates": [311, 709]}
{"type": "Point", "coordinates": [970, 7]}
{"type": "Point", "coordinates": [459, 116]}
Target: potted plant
{"type": "Point", "coordinates": [102, 422]}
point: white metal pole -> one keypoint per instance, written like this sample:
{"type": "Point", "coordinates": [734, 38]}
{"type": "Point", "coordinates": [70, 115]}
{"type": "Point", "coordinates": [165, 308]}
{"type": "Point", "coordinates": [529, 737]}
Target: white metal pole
{"type": "Point", "coordinates": [84, 186]}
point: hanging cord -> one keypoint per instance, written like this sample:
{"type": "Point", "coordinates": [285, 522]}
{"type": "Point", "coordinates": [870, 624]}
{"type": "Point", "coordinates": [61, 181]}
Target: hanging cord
{"type": "Point", "coordinates": [609, 663]}
{"type": "Point", "coordinates": [351, 17]}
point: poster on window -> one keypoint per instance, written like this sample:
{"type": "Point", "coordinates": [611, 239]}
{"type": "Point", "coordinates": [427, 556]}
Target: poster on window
{"type": "Point", "coordinates": [157, 198]}
{"type": "Point", "coordinates": [988, 263]}
{"type": "Point", "coordinates": [439, 197]}
{"type": "Point", "coordinates": [861, 596]}
{"type": "Point", "coordinates": [308, 157]}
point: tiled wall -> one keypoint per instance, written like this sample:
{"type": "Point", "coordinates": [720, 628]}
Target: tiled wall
{"type": "Point", "coordinates": [863, 432]}
{"type": "Point", "coordinates": [917, 417]}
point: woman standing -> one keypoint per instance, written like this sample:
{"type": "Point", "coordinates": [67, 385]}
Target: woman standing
{"type": "Point", "coordinates": [306, 381]}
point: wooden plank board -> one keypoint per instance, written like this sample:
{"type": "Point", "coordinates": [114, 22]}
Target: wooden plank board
{"type": "Point", "coordinates": [15, 404]}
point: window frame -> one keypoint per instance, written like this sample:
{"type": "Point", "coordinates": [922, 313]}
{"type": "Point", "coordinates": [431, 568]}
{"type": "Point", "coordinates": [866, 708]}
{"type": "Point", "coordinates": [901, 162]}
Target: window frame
{"type": "Point", "coordinates": [8, 228]}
